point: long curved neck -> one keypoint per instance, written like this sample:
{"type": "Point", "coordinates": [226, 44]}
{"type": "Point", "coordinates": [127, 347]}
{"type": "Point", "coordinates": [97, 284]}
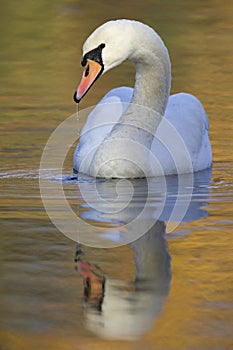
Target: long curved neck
{"type": "Point", "coordinates": [152, 84]}
{"type": "Point", "coordinates": [153, 70]}
{"type": "Point", "coordinates": [138, 124]}
{"type": "Point", "coordinates": [151, 90]}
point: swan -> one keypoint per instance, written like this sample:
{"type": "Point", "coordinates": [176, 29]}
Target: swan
{"type": "Point", "coordinates": [143, 131]}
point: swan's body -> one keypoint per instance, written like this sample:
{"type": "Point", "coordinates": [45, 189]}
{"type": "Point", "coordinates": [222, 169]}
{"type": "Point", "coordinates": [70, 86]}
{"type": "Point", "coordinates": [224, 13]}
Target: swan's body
{"type": "Point", "coordinates": [162, 135]}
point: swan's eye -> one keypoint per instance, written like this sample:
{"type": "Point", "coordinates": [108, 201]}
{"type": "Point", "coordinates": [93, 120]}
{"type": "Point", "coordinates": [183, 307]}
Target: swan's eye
{"type": "Point", "coordinates": [87, 71]}
{"type": "Point", "coordinates": [84, 61]}
{"type": "Point", "coordinates": [94, 55]}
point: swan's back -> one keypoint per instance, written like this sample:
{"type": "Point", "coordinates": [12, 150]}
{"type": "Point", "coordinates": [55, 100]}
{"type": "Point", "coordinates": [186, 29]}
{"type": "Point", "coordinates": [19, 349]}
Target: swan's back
{"type": "Point", "coordinates": [184, 113]}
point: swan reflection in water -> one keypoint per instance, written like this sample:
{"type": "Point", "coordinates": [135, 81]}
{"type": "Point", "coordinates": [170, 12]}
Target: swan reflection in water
{"type": "Point", "coordinates": [115, 309]}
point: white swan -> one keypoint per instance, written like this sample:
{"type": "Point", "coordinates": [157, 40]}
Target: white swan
{"type": "Point", "coordinates": [126, 140]}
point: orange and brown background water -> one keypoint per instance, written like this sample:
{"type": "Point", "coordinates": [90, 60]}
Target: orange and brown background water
{"type": "Point", "coordinates": [41, 290]}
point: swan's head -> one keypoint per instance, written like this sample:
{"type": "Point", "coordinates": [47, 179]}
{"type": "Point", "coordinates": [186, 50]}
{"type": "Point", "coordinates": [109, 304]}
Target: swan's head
{"type": "Point", "coordinates": [108, 46]}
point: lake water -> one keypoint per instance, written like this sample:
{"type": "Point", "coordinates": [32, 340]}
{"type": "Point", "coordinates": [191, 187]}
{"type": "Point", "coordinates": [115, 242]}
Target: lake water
{"type": "Point", "coordinates": [170, 289]}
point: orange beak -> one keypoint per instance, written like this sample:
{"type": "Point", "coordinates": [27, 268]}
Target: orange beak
{"type": "Point", "coordinates": [92, 71]}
